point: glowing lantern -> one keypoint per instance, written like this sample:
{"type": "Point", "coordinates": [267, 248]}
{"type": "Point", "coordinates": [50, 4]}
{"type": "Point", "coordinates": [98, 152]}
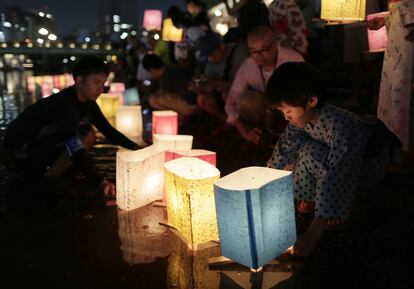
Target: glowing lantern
{"type": "Point", "coordinates": [131, 96]}
{"type": "Point", "coordinates": [255, 214]}
{"type": "Point", "coordinates": [118, 89]}
{"type": "Point", "coordinates": [377, 39]}
{"type": "Point", "coordinates": [164, 122]}
{"type": "Point", "coordinates": [68, 79]}
{"type": "Point", "coordinates": [173, 142]}
{"type": "Point", "coordinates": [143, 239]}
{"type": "Point", "coordinates": [343, 10]}
{"type": "Point", "coordinates": [109, 105]}
{"type": "Point", "coordinates": [205, 155]}
{"type": "Point", "coordinates": [170, 32]}
{"type": "Point", "coordinates": [190, 199]}
{"type": "Point", "coordinates": [152, 19]}
{"type": "Point", "coordinates": [129, 121]}
{"type": "Point", "coordinates": [139, 177]}
{"type": "Point", "coordinates": [46, 85]}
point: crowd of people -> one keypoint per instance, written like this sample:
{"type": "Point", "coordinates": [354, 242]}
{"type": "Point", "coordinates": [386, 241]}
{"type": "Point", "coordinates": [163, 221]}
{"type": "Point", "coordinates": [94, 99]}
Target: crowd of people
{"type": "Point", "coordinates": [257, 70]}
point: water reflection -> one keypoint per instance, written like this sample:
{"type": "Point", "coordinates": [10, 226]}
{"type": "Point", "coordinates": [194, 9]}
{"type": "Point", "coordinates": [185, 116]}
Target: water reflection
{"type": "Point", "coordinates": [13, 95]}
{"type": "Point", "coordinates": [144, 240]}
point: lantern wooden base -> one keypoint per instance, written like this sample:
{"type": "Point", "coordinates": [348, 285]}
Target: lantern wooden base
{"type": "Point", "coordinates": [284, 263]}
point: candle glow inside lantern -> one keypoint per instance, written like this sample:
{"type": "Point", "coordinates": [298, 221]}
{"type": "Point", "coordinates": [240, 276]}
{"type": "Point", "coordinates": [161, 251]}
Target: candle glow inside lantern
{"type": "Point", "coordinates": [164, 122]}
{"type": "Point", "coordinates": [152, 19]}
{"type": "Point", "coordinates": [190, 199]}
{"type": "Point", "coordinates": [118, 89]}
{"type": "Point", "coordinates": [377, 39]}
{"type": "Point", "coordinates": [173, 142]}
{"type": "Point", "coordinates": [170, 32]}
{"type": "Point", "coordinates": [343, 10]}
{"type": "Point", "coordinates": [205, 155]}
{"type": "Point", "coordinates": [109, 105]}
{"type": "Point", "coordinates": [129, 121]}
{"type": "Point", "coordinates": [139, 177]}
{"type": "Point", "coordinates": [255, 214]}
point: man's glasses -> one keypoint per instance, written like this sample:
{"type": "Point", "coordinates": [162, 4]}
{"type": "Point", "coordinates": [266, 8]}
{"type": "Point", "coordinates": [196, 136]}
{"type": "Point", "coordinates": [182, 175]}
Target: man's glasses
{"type": "Point", "coordinates": [263, 50]}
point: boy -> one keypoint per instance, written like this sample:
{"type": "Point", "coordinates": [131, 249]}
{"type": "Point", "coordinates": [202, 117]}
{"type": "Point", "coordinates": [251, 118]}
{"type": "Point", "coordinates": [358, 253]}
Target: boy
{"type": "Point", "coordinates": [331, 151]}
{"type": "Point", "coordinates": [36, 139]}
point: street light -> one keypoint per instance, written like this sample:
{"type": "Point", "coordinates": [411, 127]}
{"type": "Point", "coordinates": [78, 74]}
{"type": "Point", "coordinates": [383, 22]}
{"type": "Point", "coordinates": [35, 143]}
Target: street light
{"type": "Point", "coordinates": [43, 31]}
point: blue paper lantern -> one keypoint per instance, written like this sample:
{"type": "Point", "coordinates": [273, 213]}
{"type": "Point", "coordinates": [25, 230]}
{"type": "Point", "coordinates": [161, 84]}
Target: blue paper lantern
{"type": "Point", "coordinates": [255, 215]}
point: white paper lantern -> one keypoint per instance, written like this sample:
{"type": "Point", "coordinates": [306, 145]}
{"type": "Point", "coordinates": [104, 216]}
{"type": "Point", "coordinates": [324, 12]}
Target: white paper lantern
{"type": "Point", "coordinates": [139, 177]}
{"type": "Point", "coordinates": [129, 121]}
{"type": "Point", "coordinates": [173, 142]}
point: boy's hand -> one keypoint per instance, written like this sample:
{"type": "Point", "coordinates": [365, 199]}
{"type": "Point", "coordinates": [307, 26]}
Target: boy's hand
{"type": "Point", "coordinates": [305, 244]}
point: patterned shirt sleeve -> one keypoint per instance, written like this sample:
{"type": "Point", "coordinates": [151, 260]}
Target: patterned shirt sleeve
{"type": "Point", "coordinates": [286, 147]}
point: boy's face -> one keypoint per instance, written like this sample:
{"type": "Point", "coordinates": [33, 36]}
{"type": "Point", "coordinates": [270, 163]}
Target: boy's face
{"type": "Point", "coordinates": [297, 115]}
{"type": "Point", "coordinates": [90, 87]}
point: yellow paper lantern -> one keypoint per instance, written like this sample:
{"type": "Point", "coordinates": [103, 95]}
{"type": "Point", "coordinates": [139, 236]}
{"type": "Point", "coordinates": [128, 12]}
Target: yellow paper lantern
{"type": "Point", "coordinates": [170, 32]}
{"type": "Point", "coordinates": [143, 239]}
{"type": "Point", "coordinates": [129, 122]}
{"type": "Point", "coordinates": [190, 199]}
{"type": "Point", "coordinates": [165, 142]}
{"type": "Point", "coordinates": [109, 105]}
{"type": "Point", "coordinates": [343, 10]}
{"type": "Point", "coordinates": [139, 177]}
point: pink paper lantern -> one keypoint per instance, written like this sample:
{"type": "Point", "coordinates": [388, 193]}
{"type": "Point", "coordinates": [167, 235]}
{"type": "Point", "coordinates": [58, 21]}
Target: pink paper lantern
{"type": "Point", "coordinates": [118, 89]}
{"type": "Point", "coordinates": [204, 155]}
{"type": "Point", "coordinates": [152, 19]}
{"type": "Point", "coordinates": [164, 122]}
{"type": "Point", "coordinates": [377, 39]}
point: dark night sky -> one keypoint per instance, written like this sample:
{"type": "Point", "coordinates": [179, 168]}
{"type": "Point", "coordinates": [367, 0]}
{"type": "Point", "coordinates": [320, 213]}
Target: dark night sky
{"type": "Point", "coordinates": [73, 14]}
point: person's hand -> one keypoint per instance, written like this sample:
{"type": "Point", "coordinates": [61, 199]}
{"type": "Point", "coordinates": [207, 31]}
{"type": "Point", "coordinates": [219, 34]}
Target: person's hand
{"type": "Point", "coordinates": [305, 244]}
{"type": "Point", "coordinates": [376, 23]}
{"type": "Point", "coordinates": [107, 188]}
{"type": "Point", "coordinates": [253, 135]}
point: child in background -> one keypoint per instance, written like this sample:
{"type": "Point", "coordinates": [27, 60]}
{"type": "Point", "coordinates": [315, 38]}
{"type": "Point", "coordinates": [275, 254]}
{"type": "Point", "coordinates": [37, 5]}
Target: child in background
{"type": "Point", "coordinates": [331, 151]}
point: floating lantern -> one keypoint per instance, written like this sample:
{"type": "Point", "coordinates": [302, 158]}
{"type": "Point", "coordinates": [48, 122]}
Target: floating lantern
{"type": "Point", "coordinates": [164, 122]}
{"type": "Point", "coordinates": [118, 89]}
{"type": "Point", "coordinates": [129, 121]}
{"type": "Point", "coordinates": [377, 39]}
{"type": "Point", "coordinates": [152, 19]}
{"type": "Point", "coordinates": [173, 142]}
{"type": "Point", "coordinates": [170, 32]}
{"type": "Point", "coordinates": [131, 96]}
{"type": "Point", "coordinates": [343, 11]}
{"type": "Point", "coordinates": [143, 239]}
{"type": "Point", "coordinates": [109, 105]}
{"type": "Point", "coordinates": [205, 155]}
{"type": "Point", "coordinates": [255, 214]}
{"type": "Point", "coordinates": [139, 177]}
{"type": "Point", "coordinates": [190, 199]}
